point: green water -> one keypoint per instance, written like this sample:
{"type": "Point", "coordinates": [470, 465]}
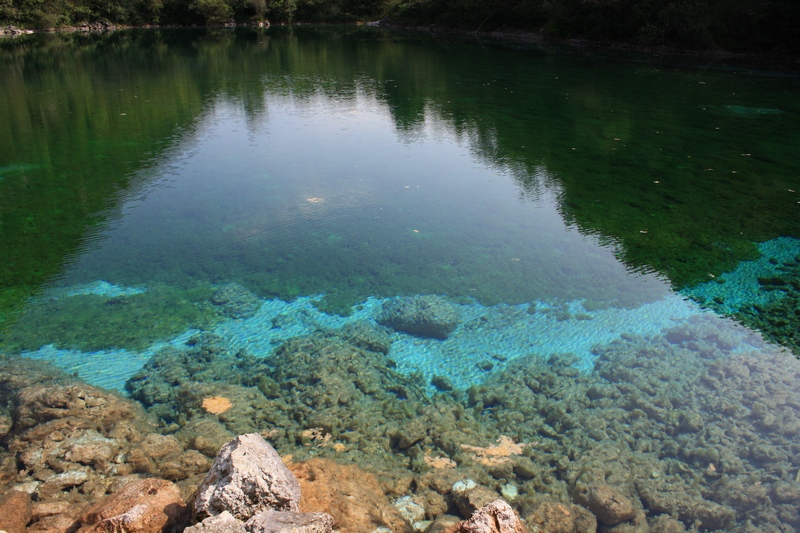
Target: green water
{"type": "Point", "coordinates": [356, 163]}
{"type": "Point", "coordinates": [618, 241]}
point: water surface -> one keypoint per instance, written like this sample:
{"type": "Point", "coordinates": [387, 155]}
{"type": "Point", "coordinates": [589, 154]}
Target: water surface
{"type": "Point", "coordinates": [571, 207]}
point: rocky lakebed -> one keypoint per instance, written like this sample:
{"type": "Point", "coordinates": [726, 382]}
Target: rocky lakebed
{"type": "Point", "coordinates": [684, 430]}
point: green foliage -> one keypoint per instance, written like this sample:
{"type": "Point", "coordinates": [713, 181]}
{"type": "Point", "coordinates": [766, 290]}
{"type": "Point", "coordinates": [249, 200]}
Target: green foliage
{"type": "Point", "coordinates": [212, 12]}
{"type": "Point", "coordinates": [742, 25]}
{"type": "Point", "coordinates": [281, 10]}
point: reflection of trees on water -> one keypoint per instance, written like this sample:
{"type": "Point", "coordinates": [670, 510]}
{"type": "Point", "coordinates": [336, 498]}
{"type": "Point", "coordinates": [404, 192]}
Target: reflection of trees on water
{"type": "Point", "coordinates": [624, 152]}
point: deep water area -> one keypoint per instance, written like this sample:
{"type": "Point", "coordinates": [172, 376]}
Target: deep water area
{"type": "Point", "coordinates": [438, 270]}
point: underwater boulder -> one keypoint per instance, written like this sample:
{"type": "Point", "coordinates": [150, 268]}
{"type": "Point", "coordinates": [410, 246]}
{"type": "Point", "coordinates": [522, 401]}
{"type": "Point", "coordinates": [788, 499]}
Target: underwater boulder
{"type": "Point", "coordinates": [234, 301]}
{"type": "Point", "coordinates": [423, 315]}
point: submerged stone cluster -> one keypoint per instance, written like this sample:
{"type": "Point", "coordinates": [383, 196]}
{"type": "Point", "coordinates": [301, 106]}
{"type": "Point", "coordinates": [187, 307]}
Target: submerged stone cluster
{"type": "Point", "coordinates": [677, 432]}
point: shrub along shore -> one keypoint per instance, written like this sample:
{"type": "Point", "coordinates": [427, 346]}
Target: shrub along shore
{"type": "Point", "coordinates": [744, 26]}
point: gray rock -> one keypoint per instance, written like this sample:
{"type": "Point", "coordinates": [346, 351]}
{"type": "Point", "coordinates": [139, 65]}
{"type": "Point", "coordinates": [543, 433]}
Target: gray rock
{"type": "Point", "coordinates": [290, 522]}
{"type": "Point", "coordinates": [221, 523]}
{"type": "Point", "coordinates": [247, 477]}
{"type": "Point", "coordinates": [424, 315]}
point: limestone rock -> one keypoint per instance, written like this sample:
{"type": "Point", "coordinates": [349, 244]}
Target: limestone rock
{"type": "Point", "coordinates": [15, 511]}
{"type": "Point", "coordinates": [497, 517]}
{"type": "Point", "coordinates": [224, 522]}
{"type": "Point", "coordinates": [289, 522]}
{"type": "Point", "coordinates": [608, 505]}
{"type": "Point", "coordinates": [353, 497]}
{"type": "Point", "coordinates": [423, 315]}
{"type": "Point", "coordinates": [144, 506]}
{"type": "Point", "coordinates": [248, 476]}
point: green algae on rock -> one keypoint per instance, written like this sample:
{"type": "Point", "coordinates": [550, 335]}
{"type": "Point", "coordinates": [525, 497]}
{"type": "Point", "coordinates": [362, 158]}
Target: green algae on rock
{"type": "Point", "coordinates": [678, 425]}
{"type": "Point", "coordinates": [91, 322]}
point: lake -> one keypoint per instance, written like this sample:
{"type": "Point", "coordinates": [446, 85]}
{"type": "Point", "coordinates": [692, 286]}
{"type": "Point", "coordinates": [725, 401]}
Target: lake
{"type": "Point", "coordinates": [606, 249]}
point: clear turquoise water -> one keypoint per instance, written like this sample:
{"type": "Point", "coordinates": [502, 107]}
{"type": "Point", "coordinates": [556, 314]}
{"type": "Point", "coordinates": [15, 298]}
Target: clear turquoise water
{"type": "Point", "coordinates": [562, 202]}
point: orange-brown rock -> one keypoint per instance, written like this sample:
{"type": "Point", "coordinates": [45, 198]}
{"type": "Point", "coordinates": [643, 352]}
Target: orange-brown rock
{"type": "Point", "coordinates": [58, 523]}
{"type": "Point", "coordinates": [352, 496]}
{"type": "Point", "coordinates": [144, 506]}
{"type": "Point", "coordinates": [216, 404]}
{"type": "Point", "coordinates": [497, 517]}
{"type": "Point", "coordinates": [15, 511]}
{"type": "Point", "coordinates": [41, 403]}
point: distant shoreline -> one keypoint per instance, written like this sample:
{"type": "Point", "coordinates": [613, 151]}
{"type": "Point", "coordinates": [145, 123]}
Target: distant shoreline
{"type": "Point", "coordinates": [584, 45]}
{"type": "Point", "coordinates": [778, 60]}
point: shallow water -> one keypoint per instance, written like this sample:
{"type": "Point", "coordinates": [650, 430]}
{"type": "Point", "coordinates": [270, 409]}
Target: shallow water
{"type": "Point", "coordinates": [572, 209]}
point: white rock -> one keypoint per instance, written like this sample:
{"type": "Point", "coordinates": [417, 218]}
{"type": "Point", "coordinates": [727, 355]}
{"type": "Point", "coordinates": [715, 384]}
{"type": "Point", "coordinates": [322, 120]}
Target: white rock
{"type": "Point", "coordinates": [247, 477]}
{"type": "Point", "coordinates": [411, 510]}
{"type": "Point", "coordinates": [463, 486]}
{"type": "Point", "coordinates": [509, 492]}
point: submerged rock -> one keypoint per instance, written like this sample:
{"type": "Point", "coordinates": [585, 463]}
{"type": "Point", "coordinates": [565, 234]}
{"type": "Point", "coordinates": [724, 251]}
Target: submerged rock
{"type": "Point", "coordinates": [496, 517]}
{"type": "Point", "coordinates": [234, 301]}
{"type": "Point", "coordinates": [247, 477]}
{"type": "Point", "coordinates": [557, 517]}
{"type": "Point", "coordinates": [352, 496]}
{"type": "Point", "coordinates": [606, 503]}
{"type": "Point", "coordinates": [204, 359]}
{"type": "Point", "coordinates": [15, 511]}
{"type": "Point", "coordinates": [424, 315]}
{"type": "Point", "coordinates": [367, 336]}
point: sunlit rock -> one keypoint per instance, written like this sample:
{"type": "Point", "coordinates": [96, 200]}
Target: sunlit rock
{"type": "Point", "coordinates": [423, 315]}
{"type": "Point", "coordinates": [247, 477]}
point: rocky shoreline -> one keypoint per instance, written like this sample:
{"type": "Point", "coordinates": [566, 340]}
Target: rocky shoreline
{"type": "Point", "coordinates": [677, 432]}
{"type": "Point", "coordinates": [86, 27]}
{"type": "Point", "coordinates": [780, 60]}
